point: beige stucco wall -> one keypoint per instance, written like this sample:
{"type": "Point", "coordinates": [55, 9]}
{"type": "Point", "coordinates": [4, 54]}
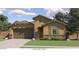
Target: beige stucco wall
{"type": "Point", "coordinates": [47, 30]}
{"type": "Point", "coordinates": [61, 31]}
{"type": "Point", "coordinates": [11, 32]}
{"type": "Point", "coordinates": [60, 28]}
{"type": "Point", "coordinates": [37, 24]}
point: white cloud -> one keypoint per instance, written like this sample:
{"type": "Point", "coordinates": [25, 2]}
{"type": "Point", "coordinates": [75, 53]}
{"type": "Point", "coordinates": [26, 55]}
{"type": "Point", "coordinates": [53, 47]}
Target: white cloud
{"type": "Point", "coordinates": [29, 8]}
{"type": "Point", "coordinates": [52, 11]}
{"type": "Point", "coordinates": [2, 10]}
{"type": "Point", "coordinates": [21, 12]}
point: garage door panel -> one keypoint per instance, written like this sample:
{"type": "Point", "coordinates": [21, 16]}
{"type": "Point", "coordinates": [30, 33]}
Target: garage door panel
{"type": "Point", "coordinates": [18, 33]}
{"type": "Point", "coordinates": [23, 33]}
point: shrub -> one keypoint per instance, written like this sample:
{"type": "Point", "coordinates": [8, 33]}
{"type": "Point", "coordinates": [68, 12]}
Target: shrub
{"type": "Point", "coordinates": [56, 39]}
{"type": "Point", "coordinates": [43, 39]}
{"type": "Point", "coordinates": [73, 39]}
{"type": "Point", "coordinates": [52, 39]}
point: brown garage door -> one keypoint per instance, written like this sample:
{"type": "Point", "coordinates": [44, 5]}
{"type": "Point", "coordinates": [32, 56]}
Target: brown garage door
{"type": "Point", "coordinates": [23, 33]}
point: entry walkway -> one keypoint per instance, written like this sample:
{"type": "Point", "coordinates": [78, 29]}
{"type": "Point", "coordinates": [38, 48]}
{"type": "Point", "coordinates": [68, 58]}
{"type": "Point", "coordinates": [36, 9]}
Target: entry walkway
{"type": "Point", "coordinates": [13, 43]}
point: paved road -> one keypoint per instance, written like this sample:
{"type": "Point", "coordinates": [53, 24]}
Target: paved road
{"type": "Point", "coordinates": [13, 43]}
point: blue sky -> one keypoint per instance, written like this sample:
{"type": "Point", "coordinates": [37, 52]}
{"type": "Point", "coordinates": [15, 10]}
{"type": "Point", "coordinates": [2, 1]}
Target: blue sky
{"type": "Point", "coordinates": [20, 14]}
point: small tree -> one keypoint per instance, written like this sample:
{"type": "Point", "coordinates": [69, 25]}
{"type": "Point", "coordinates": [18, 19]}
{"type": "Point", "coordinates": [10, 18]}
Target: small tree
{"type": "Point", "coordinates": [4, 24]}
{"type": "Point", "coordinates": [73, 23]}
{"type": "Point", "coordinates": [63, 18]}
{"type": "Point", "coordinates": [60, 16]}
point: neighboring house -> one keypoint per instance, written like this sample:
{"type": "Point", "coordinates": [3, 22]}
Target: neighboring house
{"type": "Point", "coordinates": [41, 27]}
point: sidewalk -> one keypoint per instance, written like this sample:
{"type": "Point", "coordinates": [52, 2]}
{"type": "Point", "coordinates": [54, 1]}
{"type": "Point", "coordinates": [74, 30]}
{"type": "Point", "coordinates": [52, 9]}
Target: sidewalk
{"type": "Point", "coordinates": [30, 46]}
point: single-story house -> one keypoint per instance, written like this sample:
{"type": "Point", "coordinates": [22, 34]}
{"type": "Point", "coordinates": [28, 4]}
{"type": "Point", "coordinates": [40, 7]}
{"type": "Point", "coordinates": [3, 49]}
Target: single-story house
{"type": "Point", "coordinates": [41, 27]}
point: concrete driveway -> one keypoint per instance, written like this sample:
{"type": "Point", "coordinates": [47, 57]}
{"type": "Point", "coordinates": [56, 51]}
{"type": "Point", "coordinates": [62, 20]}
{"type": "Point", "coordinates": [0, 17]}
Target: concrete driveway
{"type": "Point", "coordinates": [13, 43]}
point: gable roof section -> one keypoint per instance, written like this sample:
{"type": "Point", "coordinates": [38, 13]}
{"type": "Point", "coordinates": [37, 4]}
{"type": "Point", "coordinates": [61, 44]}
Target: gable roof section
{"type": "Point", "coordinates": [40, 16]}
{"type": "Point", "coordinates": [48, 20]}
{"type": "Point", "coordinates": [55, 21]}
{"type": "Point", "coordinates": [22, 24]}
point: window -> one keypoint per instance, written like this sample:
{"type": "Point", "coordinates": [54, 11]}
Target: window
{"type": "Point", "coordinates": [54, 30]}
